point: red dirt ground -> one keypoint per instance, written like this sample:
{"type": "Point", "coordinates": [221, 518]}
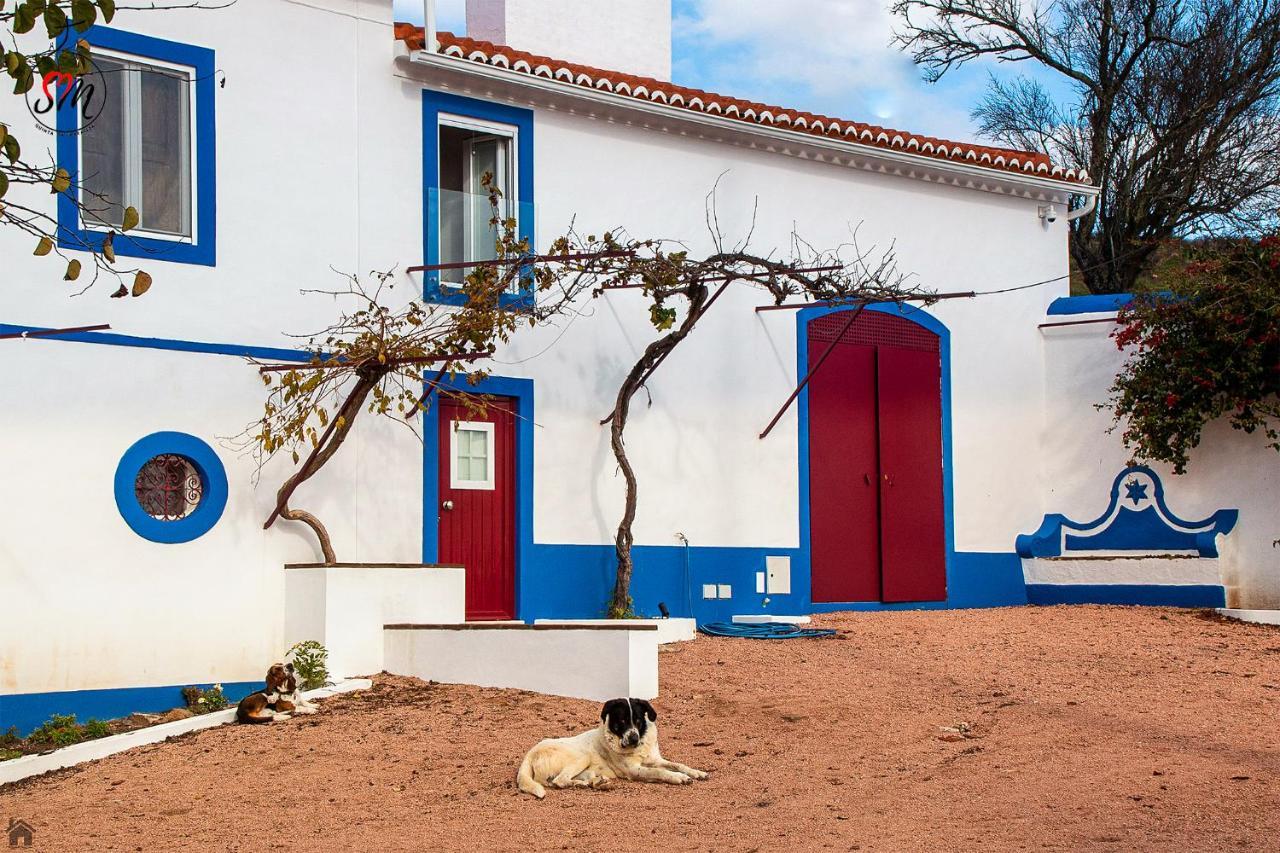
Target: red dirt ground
{"type": "Point", "coordinates": [1090, 728]}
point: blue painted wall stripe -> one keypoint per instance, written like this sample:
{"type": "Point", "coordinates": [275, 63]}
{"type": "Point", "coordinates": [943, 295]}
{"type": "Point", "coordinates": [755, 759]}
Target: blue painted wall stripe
{"type": "Point", "coordinates": [113, 339]}
{"type": "Point", "coordinates": [1154, 595]}
{"type": "Point", "coordinates": [27, 711]}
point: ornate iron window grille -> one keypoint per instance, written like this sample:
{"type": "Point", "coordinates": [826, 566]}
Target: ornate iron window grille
{"type": "Point", "coordinates": [168, 487]}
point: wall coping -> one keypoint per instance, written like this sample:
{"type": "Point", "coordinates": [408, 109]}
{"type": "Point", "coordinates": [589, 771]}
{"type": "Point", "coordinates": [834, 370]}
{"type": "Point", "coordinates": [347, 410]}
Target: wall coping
{"type": "Point", "coordinates": [373, 566]}
{"type": "Point", "coordinates": [514, 626]}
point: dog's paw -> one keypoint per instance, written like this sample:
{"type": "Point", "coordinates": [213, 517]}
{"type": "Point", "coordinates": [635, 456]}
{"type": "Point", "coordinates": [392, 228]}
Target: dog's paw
{"type": "Point", "coordinates": [696, 774]}
{"type": "Point", "coordinates": [600, 783]}
{"type": "Point", "coordinates": [307, 711]}
{"type": "Point", "coordinates": [682, 779]}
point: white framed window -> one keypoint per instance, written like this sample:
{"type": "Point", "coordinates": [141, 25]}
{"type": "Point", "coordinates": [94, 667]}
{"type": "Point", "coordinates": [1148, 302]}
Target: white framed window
{"type": "Point", "coordinates": [137, 150]}
{"type": "Point", "coordinates": [469, 148]}
{"type": "Point", "coordinates": [471, 460]}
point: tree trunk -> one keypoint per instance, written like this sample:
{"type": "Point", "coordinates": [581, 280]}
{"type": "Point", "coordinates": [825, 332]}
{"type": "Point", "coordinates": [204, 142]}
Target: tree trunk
{"type": "Point", "coordinates": [620, 604]}
{"type": "Point", "coordinates": [343, 420]}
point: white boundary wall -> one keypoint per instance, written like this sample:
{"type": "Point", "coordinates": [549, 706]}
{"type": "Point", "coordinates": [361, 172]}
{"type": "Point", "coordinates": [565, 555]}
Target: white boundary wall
{"type": "Point", "coordinates": [580, 661]}
{"type": "Point", "coordinates": [1229, 470]}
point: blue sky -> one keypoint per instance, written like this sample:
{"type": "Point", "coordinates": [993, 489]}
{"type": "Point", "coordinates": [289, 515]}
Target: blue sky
{"type": "Point", "coordinates": [824, 56]}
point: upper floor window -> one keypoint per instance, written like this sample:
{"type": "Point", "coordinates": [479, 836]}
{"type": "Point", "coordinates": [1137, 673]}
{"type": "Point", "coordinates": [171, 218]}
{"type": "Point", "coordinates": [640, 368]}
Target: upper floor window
{"type": "Point", "coordinates": [141, 135]}
{"type": "Point", "coordinates": [469, 150]}
{"type": "Point", "coordinates": [137, 151]}
{"type": "Point", "coordinates": [463, 140]}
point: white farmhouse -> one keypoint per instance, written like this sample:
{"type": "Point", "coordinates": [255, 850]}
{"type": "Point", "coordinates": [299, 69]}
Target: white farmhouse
{"type": "Point", "coordinates": [947, 457]}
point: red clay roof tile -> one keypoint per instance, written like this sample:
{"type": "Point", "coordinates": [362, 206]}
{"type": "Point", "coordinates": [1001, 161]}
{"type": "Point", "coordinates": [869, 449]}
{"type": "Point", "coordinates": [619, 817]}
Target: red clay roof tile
{"type": "Point", "coordinates": [647, 88]}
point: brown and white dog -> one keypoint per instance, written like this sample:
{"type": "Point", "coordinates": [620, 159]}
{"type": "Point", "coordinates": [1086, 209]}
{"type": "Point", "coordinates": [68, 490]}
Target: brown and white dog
{"type": "Point", "coordinates": [291, 701]}
{"type": "Point", "coordinates": [260, 707]}
{"type": "Point", "coordinates": [623, 746]}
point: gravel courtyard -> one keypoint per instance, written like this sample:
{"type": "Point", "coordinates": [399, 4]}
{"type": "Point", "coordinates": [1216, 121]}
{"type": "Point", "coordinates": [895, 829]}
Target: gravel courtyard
{"type": "Point", "coordinates": [1082, 728]}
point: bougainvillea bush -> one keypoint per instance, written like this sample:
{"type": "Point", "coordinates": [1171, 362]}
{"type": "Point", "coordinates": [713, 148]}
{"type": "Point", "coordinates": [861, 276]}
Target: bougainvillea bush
{"type": "Point", "coordinates": [1207, 349]}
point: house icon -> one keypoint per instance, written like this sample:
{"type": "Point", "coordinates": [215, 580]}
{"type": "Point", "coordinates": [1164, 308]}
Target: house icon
{"type": "Point", "coordinates": [20, 831]}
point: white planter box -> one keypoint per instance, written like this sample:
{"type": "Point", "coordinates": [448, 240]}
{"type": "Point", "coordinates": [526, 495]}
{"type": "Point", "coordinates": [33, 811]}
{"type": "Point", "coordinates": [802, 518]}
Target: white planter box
{"type": "Point", "coordinates": [345, 606]}
{"type": "Point", "coordinates": [672, 630]}
{"type": "Point", "coordinates": [69, 756]}
{"type": "Point", "coordinates": [596, 662]}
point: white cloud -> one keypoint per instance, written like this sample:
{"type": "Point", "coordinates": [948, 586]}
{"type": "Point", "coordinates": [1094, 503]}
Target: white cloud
{"type": "Point", "coordinates": [831, 56]}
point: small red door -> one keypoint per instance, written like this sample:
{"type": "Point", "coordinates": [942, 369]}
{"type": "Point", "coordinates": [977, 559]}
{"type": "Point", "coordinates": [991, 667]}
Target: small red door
{"type": "Point", "coordinates": [478, 503]}
{"type": "Point", "coordinates": [876, 516]}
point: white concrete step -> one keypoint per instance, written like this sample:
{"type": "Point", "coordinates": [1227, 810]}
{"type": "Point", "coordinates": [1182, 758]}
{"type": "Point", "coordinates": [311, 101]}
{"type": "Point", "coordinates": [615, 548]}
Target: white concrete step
{"type": "Point", "coordinates": [345, 606]}
{"type": "Point", "coordinates": [597, 662]}
{"type": "Point", "coordinates": [673, 630]}
{"type": "Point", "coordinates": [1260, 617]}
{"type": "Point", "coordinates": [764, 618]}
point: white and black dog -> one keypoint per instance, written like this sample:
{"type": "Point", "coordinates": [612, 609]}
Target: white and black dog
{"type": "Point", "coordinates": [623, 746]}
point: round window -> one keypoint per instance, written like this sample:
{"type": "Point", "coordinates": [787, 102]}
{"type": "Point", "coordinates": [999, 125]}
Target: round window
{"type": "Point", "coordinates": [168, 487]}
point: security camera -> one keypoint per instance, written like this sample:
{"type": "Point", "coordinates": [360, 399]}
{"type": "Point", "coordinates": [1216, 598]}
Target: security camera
{"type": "Point", "coordinates": [1048, 213]}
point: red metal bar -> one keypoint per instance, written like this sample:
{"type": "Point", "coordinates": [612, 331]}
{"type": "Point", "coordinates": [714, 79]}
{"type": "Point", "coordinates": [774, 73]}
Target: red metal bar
{"type": "Point", "coordinates": [812, 370]}
{"type": "Point", "coordinates": [1078, 322]}
{"type": "Point", "coordinates": [523, 259]}
{"type": "Point", "coordinates": [45, 333]}
{"type": "Point", "coordinates": [417, 359]}
{"type": "Point", "coordinates": [968, 294]}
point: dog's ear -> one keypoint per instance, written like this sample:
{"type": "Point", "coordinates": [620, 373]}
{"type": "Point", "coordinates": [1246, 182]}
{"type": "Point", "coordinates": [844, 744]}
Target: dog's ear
{"type": "Point", "coordinates": [609, 706]}
{"type": "Point", "coordinates": [648, 710]}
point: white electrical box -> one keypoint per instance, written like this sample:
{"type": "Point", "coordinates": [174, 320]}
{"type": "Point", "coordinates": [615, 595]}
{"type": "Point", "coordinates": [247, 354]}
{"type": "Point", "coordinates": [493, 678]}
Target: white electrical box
{"type": "Point", "coordinates": [726, 591]}
{"type": "Point", "coordinates": [708, 590]}
{"type": "Point", "coordinates": [777, 575]}
{"type": "Point", "coordinates": [759, 581]}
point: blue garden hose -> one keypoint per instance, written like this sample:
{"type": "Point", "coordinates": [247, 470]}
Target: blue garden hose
{"type": "Point", "coordinates": [764, 631]}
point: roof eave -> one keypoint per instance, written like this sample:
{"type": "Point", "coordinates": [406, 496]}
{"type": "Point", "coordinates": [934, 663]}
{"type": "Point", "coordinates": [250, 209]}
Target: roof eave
{"type": "Point", "coordinates": [868, 157]}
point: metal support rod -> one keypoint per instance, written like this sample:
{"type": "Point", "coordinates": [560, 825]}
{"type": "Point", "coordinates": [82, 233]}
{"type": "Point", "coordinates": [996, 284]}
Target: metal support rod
{"type": "Point", "coordinates": [522, 259]}
{"type": "Point", "coordinates": [812, 370]}
{"type": "Point", "coordinates": [833, 303]}
{"type": "Point", "coordinates": [417, 359]}
{"type": "Point", "coordinates": [742, 277]}
{"type": "Point", "coordinates": [46, 333]}
{"type": "Point", "coordinates": [1078, 322]}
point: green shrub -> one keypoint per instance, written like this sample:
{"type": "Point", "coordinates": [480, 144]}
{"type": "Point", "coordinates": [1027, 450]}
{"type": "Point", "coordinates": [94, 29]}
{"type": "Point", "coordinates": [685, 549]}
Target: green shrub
{"type": "Point", "coordinates": [94, 729]}
{"type": "Point", "coordinates": [311, 662]}
{"type": "Point", "coordinates": [201, 701]}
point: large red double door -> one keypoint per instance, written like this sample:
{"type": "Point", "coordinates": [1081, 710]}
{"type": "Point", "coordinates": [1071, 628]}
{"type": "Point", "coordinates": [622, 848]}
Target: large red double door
{"type": "Point", "coordinates": [875, 460]}
{"type": "Point", "coordinates": [477, 512]}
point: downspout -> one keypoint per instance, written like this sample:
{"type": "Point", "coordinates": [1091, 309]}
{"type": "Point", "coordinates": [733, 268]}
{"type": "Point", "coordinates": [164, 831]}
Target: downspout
{"type": "Point", "coordinates": [429, 26]}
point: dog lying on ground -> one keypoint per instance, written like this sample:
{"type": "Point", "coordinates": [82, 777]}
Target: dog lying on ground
{"type": "Point", "coordinates": [290, 700]}
{"type": "Point", "coordinates": [623, 746]}
{"type": "Point", "coordinates": [260, 707]}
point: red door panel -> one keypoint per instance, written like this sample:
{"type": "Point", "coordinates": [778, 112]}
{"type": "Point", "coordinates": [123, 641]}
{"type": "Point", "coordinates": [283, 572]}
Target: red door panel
{"type": "Point", "coordinates": [478, 503]}
{"type": "Point", "coordinates": [843, 474]}
{"type": "Point", "coordinates": [913, 553]}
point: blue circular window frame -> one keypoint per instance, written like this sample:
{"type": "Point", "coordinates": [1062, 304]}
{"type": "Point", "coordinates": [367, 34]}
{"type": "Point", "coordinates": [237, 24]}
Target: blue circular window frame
{"type": "Point", "coordinates": [213, 482]}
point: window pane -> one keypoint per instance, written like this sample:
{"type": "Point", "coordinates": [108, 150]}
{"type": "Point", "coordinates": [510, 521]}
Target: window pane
{"type": "Point", "coordinates": [102, 144]}
{"type": "Point", "coordinates": [164, 131]}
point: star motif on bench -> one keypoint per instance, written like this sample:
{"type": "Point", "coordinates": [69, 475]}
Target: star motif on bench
{"type": "Point", "coordinates": [1135, 491]}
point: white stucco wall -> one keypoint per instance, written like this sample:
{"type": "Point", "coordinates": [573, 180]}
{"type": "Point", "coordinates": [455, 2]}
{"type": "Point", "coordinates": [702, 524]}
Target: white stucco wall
{"type": "Point", "coordinates": [1229, 470]}
{"type": "Point", "coordinates": [320, 169]}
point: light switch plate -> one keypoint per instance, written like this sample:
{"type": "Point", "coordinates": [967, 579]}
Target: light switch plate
{"type": "Point", "coordinates": [708, 590]}
{"type": "Point", "coordinates": [726, 591]}
{"type": "Point", "coordinates": [759, 581]}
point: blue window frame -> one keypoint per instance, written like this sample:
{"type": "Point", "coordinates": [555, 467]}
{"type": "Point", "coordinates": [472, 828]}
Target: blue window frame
{"type": "Point", "coordinates": [201, 504]}
{"type": "Point", "coordinates": [440, 109]}
{"type": "Point", "coordinates": [197, 65]}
